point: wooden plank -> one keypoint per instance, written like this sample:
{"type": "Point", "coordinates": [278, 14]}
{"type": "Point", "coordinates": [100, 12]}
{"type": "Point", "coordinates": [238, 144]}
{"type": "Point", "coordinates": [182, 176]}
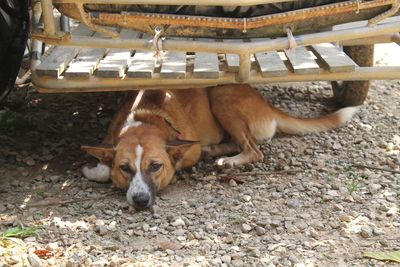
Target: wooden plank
{"type": "Point", "coordinates": [82, 30]}
{"type": "Point", "coordinates": [57, 61]}
{"type": "Point", "coordinates": [271, 64]}
{"type": "Point", "coordinates": [117, 60]}
{"type": "Point", "coordinates": [232, 60]}
{"type": "Point", "coordinates": [86, 62]}
{"type": "Point", "coordinates": [302, 61]}
{"type": "Point", "coordinates": [206, 65]}
{"type": "Point", "coordinates": [142, 65]}
{"type": "Point", "coordinates": [61, 56]}
{"type": "Point", "coordinates": [173, 65]}
{"type": "Point", "coordinates": [335, 59]}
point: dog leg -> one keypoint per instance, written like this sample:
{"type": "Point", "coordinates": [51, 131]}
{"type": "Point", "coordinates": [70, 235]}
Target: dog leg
{"type": "Point", "coordinates": [240, 133]}
{"type": "Point", "coordinates": [101, 173]}
{"type": "Point", "coordinates": [212, 151]}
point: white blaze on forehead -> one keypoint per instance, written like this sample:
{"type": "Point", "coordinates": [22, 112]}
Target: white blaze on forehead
{"type": "Point", "coordinates": [138, 185]}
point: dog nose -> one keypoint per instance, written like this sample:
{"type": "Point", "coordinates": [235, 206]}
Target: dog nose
{"type": "Point", "coordinates": [141, 200]}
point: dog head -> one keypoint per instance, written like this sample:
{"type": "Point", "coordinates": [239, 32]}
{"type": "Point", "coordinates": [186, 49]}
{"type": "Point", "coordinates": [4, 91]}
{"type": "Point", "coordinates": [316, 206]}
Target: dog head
{"type": "Point", "coordinates": [142, 163]}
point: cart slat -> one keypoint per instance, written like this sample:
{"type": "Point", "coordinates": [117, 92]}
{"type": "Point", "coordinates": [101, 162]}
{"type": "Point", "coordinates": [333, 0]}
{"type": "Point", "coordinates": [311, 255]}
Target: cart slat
{"type": "Point", "coordinates": [117, 60]}
{"type": "Point", "coordinates": [302, 61]}
{"type": "Point", "coordinates": [173, 65]}
{"type": "Point", "coordinates": [232, 60]}
{"type": "Point", "coordinates": [271, 64]}
{"type": "Point", "coordinates": [86, 62]}
{"type": "Point", "coordinates": [61, 56]}
{"type": "Point", "coordinates": [206, 65]}
{"type": "Point", "coordinates": [142, 65]}
{"type": "Point", "coordinates": [335, 59]}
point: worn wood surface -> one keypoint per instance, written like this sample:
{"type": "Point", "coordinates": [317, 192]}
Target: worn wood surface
{"type": "Point", "coordinates": [271, 64]}
{"type": "Point", "coordinates": [302, 61]}
{"type": "Point", "coordinates": [142, 65]}
{"type": "Point", "coordinates": [206, 65]}
{"type": "Point", "coordinates": [60, 57]}
{"type": "Point", "coordinates": [117, 60]}
{"type": "Point", "coordinates": [335, 59]}
{"type": "Point", "coordinates": [173, 65]}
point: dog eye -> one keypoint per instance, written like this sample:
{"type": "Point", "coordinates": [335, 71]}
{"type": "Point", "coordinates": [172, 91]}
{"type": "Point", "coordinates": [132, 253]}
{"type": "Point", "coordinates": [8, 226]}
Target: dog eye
{"type": "Point", "coordinates": [125, 168]}
{"type": "Point", "coordinates": [155, 166]}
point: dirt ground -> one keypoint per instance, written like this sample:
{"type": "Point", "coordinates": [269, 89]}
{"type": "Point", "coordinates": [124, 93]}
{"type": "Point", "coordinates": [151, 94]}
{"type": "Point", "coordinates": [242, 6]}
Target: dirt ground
{"type": "Point", "coordinates": [315, 200]}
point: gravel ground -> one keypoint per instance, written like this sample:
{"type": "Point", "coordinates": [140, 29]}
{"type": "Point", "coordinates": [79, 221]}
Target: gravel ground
{"type": "Point", "coordinates": [309, 203]}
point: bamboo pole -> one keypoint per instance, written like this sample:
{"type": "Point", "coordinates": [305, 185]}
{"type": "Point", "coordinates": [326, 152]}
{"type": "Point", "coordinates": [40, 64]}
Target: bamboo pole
{"type": "Point", "coordinates": [97, 84]}
{"type": "Point", "coordinates": [48, 18]}
{"type": "Point", "coordinates": [234, 47]}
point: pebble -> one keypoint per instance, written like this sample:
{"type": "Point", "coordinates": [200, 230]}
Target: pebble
{"type": "Point", "coordinates": [232, 183]}
{"type": "Point", "coordinates": [293, 203]}
{"type": "Point", "coordinates": [345, 218]}
{"type": "Point", "coordinates": [246, 198]}
{"type": "Point", "coordinates": [226, 259]}
{"type": "Point", "coordinates": [30, 239]}
{"type": "Point", "coordinates": [314, 234]}
{"type": "Point", "coordinates": [237, 263]}
{"type": "Point", "coordinates": [374, 188]}
{"type": "Point", "coordinates": [34, 260]}
{"type": "Point", "coordinates": [100, 227]}
{"type": "Point", "coordinates": [337, 207]}
{"type": "Point", "coordinates": [29, 161]}
{"type": "Point", "coordinates": [260, 230]}
{"type": "Point", "coordinates": [366, 231]}
{"type": "Point", "coordinates": [52, 246]}
{"type": "Point", "coordinates": [112, 226]}
{"type": "Point", "coordinates": [145, 227]}
{"type": "Point", "coordinates": [200, 258]}
{"type": "Point", "coordinates": [54, 178]}
{"type": "Point", "coordinates": [179, 223]}
{"type": "Point", "coordinates": [246, 228]}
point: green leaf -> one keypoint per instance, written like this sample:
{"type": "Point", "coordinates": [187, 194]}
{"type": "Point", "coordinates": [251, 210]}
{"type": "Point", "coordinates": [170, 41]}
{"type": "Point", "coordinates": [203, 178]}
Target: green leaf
{"type": "Point", "coordinates": [384, 255]}
{"type": "Point", "coordinates": [19, 232]}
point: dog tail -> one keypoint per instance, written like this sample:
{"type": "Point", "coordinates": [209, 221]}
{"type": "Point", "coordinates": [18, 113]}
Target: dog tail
{"type": "Point", "coordinates": [291, 125]}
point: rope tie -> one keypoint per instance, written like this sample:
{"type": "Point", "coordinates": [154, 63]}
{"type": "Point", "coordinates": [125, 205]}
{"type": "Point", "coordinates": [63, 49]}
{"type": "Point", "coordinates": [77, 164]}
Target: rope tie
{"type": "Point", "coordinates": [292, 40]}
{"type": "Point", "coordinates": [358, 6]}
{"type": "Point", "coordinates": [157, 43]}
{"type": "Point", "coordinates": [244, 25]}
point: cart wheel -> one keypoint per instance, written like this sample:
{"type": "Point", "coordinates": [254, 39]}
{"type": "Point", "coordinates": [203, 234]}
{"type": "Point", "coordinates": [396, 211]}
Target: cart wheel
{"type": "Point", "coordinates": [353, 93]}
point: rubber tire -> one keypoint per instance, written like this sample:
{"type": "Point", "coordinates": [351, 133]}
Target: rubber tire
{"type": "Point", "coordinates": [354, 93]}
{"type": "Point", "coordinates": [14, 28]}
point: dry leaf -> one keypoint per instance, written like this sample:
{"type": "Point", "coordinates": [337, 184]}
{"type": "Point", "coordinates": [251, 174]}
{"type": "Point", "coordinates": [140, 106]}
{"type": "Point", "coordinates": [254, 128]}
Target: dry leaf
{"type": "Point", "coordinates": [43, 253]}
{"type": "Point", "coordinates": [384, 255]}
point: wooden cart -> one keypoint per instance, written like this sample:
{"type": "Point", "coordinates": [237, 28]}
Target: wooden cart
{"type": "Point", "coordinates": [117, 48]}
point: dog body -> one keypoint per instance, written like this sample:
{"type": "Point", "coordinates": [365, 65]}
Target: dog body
{"type": "Point", "coordinates": [170, 130]}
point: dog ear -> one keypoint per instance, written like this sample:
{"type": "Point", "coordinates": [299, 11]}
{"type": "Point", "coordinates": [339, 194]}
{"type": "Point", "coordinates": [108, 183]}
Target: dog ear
{"type": "Point", "coordinates": [177, 149]}
{"type": "Point", "coordinates": [104, 154]}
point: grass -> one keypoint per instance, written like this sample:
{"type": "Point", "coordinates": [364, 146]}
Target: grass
{"type": "Point", "coordinates": [356, 182]}
{"type": "Point", "coordinates": [353, 186]}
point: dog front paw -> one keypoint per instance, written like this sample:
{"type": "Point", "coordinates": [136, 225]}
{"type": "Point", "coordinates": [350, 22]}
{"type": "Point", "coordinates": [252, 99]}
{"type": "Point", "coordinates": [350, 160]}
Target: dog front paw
{"type": "Point", "coordinates": [101, 173]}
{"type": "Point", "coordinates": [225, 163]}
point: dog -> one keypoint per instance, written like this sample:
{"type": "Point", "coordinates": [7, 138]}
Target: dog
{"type": "Point", "coordinates": [170, 130]}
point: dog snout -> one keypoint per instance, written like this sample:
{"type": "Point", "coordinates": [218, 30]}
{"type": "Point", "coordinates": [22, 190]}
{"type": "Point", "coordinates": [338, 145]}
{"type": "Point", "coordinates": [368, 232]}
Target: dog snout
{"type": "Point", "coordinates": [141, 200]}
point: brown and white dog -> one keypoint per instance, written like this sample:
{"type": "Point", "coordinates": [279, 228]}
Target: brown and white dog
{"type": "Point", "coordinates": [171, 129]}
